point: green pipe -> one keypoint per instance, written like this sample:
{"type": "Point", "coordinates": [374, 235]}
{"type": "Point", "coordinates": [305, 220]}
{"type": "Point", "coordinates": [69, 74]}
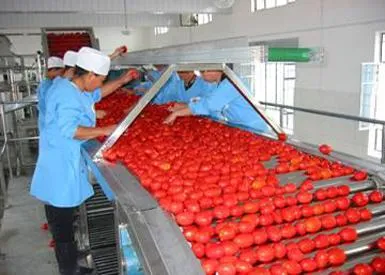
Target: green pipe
{"type": "Point", "coordinates": [289, 54]}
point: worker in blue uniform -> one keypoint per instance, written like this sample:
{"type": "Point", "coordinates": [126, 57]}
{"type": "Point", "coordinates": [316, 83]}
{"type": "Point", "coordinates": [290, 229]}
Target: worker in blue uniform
{"type": "Point", "coordinates": [224, 103]}
{"type": "Point", "coordinates": [55, 67]}
{"type": "Point", "coordinates": [183, 87]}
{"type": "Point", "coordinates": [60, 179]}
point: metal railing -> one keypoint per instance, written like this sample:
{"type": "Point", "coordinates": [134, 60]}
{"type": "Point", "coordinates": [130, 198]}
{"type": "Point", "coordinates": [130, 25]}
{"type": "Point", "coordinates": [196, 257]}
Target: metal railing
{"type": "Point", "coordinates": [6, 108]}
{"type": "Point", "coordinates": [335, 115]}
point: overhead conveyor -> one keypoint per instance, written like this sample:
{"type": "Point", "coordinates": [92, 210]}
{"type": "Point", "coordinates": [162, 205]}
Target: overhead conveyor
{"type": "Point", "coordinates": [142, 228]}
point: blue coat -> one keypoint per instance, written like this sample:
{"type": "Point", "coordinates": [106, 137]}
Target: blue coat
{"type": "Point", "coordinates": [61, 177]}
{"type": "Point", "coordinates": [41, 96]}
{"type": "Point", "coordinates": [200, 88]}
{"type": "Point", "coordinates": [175, 90]}
{"type": "Point", "coordinates": [225, 103]}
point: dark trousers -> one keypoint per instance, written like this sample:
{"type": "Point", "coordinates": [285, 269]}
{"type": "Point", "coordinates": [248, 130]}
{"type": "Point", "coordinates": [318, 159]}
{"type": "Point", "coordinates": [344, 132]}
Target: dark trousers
{"type": "Point", "coordinates": [60, 221]}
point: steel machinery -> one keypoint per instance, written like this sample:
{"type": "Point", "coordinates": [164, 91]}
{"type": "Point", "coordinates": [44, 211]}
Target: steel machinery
{"type": "Point", "coordinates": [124, 228]}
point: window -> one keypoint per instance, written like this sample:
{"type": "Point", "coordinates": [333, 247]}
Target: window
{"type": "Point", "coordinates": [257, 5]}
{"type": "Point", "coordinates": [204, 18]}
{"type": "Point", "coordinates": [161, 30]}
{"type": "Point", "coordinates": [369, 79]}
{"type": "Point", "coordinates": [382, 53]}
{"type": "Point", "coordinates": [273, 83]}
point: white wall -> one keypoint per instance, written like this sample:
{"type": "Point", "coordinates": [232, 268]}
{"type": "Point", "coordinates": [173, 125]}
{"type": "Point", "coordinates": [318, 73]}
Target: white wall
{"type": "Point", "coordinates": [344, 28]}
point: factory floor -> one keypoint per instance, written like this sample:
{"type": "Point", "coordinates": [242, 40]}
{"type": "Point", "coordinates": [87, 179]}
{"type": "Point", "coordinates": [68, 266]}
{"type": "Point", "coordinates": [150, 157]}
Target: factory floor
{"type": "Point", "coordinates": [24, 246]}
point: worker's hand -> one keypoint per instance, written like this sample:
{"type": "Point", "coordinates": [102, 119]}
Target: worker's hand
{"type": "Point", "coordinates": [118, 52]}
{"type": "Point", "coordinates": [127, 91]}
{"type": "Point", "coordinates": [100, 114]}
{"type": "Point", "coordinates": [170, 119]}
{"type": "Point", "coordinates": [177, 107]}
{"type": "Point", "coordinates": [108, 130]}
{"type": "Point", "coordinates": [129, 76]}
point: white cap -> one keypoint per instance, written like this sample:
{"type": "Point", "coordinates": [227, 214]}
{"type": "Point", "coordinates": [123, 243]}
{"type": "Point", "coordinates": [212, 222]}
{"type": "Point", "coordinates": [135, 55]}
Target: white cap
{"type": "Point", "coordinates": [70, 58]}
{"type": "Point", "coordinates": [93, 61]}
{"type": "Point", "coordinates": [55, 62]}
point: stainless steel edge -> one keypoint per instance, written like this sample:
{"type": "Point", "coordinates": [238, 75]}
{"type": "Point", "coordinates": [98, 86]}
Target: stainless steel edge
{"type": "Point", "coordinates": [243, 90]}
{"type": "Point", "coordinates": [129, 119]}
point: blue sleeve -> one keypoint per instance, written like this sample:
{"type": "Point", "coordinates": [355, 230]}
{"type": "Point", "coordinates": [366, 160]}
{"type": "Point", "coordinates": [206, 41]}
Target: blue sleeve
{"type": "Point", "coordinates": [168, 92]}
{"type": "Point", "coordinates": [97, 95]}
{"type": "Point", "coordinates": [215, 101]}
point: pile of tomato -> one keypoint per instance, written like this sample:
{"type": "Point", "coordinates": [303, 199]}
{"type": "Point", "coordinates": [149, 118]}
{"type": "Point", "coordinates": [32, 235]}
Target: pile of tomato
{"type": "Point", "coordinates": [233, 210]}
{"type": "Point", "coordinates": [59, 43]}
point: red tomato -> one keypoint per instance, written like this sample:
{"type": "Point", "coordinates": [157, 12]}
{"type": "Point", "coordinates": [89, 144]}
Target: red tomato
{"type": "Point", "coordinates": [265, 253]}
{"type": "Point", "coordinates": [278, 269]}
{"type": "Point", "coordinates": [343, 190]}
{"type": "Point", "coordinates": [336, 256]}
{"type": "Point", "coordinates": [250, 256]}
{"type": "Point", "coordinates": [236, 211]}
{"type": "Point", "coordinates": [198, 249]}
{"type": "Point", "coordinates": [307, 211]}
{"type": "Point", "coordinates": [266, 219]}
{"type": "Point", "coordinates": [246, 227]}
{"type": "Point", "coordinates": [230, 248]}
{"type": "Point", "coordinates": [260, 236]}
{"type": "Point", "coordinates": [292, 267]}
{"type": "Point", "coordinates": [250, 207]}
{"type": "Point", "coordinates": [381, 243]}
{"type": "Point", "coordinates": [360, 199]}
{"type": "Point", "coordinates": [189, 233]}
{"type": "Point", "coordinates": [295, 254]}
{"type": "Point", "coordinates": [330, 206]}
{"type": "Point", "coordinates": [365, 214]}
{"type": "Point", "coordinates": [176, 207]}
{"type": "Point", "coordinates": [325, 149]}
{"type": "Point", "coordinates": [322, 259]}
{"type": "Point", "coordinates": [204, 218]}
{"type": "Point", "coordinates": [348, 234]}
{"type": "Point", "coordinates": [288, 231]}
{"type": "Point", "coordinates": [274, 233]}
{"type": "Point", "coordinates": [378, 264]}
{"type": "Point", "coordinates": [244, 240]}
{"type": "Point", "coordinates": [226, 269]}
{"type": "Point", "coordinates": [341, 220]}
{"type": "Point", "coordinates": [214, 251]}
{"type": "Point", "coordinates": [313, 224]}
{"type": "Point", "coordinates": [321, 194]}
{"type": "Point", "coordinates": [353, 215]}
{"type": "Point", "coordinates": [280, 250]}
{"type": "Point", "coordinates": [202, 236]}
{"type": "Point", "coordinates": [362, 269]}
{"type": "Point", "coordinates": [279, 202]}
{"type": "Point", "coordinates": [360, 175]}
{"type": "Point", "coordinates": [228, 259]}
{"type": "Point", "coordinates": [243, 267]}
{"type": "Point", "coordinates": [210, 266]}
{"type": "Point", "coordinates": [321, 241]}
{"type": "Point", "coordinates": [376, 196]}
{"type": "Point", "coordinates": [334, 239]}
{"type": "Point", "coordinates": [227, 233]}
{"type": "Point", "coordinates": [308, 265]}
{"type": "Point", "coordinates": [185, 218]}
{"type": "Point", "coordinates": [332, 192]}
{"type": "Point", "coordinates": [343, 203]}
{"type": "Point", "coordinates": [328, 222]}
{"type": "Point", "coordinates": [304, 197]}
{"type": "Point", "coordinates": [221, 212]}
{"type": "Point", "coordinates": [306, 245]}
